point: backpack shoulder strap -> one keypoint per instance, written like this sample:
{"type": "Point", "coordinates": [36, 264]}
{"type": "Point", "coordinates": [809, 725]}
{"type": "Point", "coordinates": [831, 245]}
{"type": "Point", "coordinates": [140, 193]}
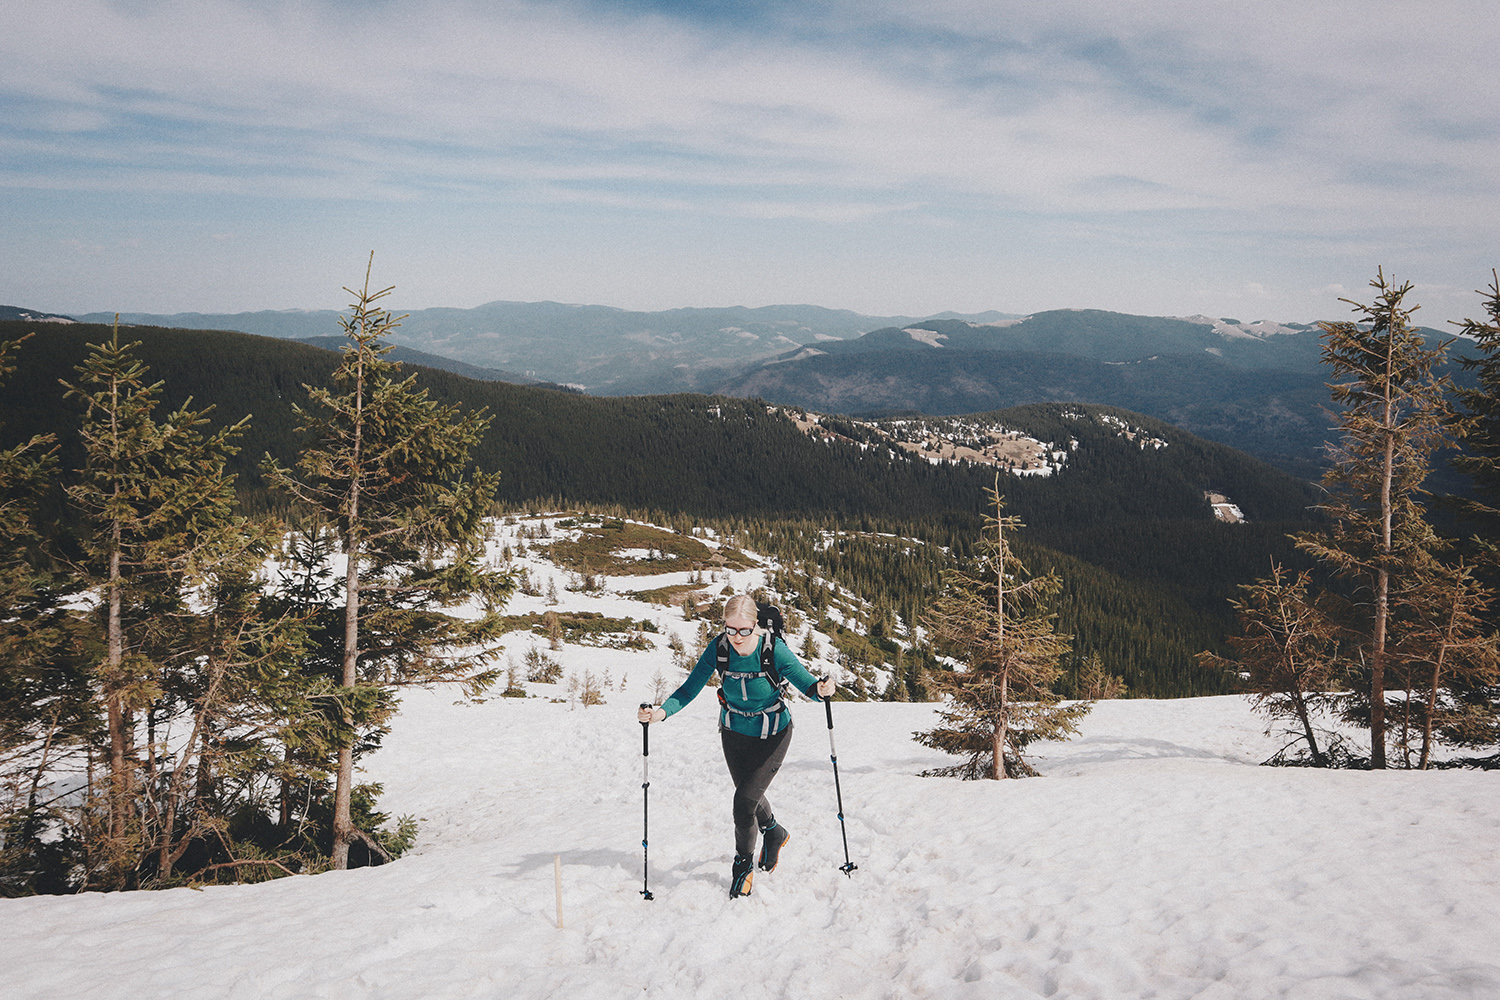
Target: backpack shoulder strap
{"type": "Point", "coordinates": [768, 660]}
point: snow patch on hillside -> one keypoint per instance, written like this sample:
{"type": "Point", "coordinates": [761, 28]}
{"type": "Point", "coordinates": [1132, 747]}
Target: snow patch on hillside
{"type": "Point", "coordinates": [928, 337]}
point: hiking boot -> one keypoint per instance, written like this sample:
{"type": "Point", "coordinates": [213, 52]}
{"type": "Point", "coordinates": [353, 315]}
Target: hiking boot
{"type": "Point", "coordinates": [740, 877]}
{"type": "Point", "coordinates": [771, 843]}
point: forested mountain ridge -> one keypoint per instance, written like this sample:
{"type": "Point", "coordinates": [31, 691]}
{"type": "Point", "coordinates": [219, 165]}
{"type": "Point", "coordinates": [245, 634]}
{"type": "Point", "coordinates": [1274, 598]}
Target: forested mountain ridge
{"type": "Point", "coordinates": [1275, 415]}
{"type": "Point", "coordinates": [34, 315]}
{"type": "Point", "coordinates": [557, 444]}
{"type": "Point", "coordinates": [1259, 387]}
{"type": "Point", "coordinates": [1103, 335]}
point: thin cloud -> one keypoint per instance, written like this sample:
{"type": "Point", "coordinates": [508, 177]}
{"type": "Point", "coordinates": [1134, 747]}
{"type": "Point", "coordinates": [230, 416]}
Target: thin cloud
{"type": "Point", "coordinates": [516, 88]}
{"type": "Point", "coordinates": [1321, 127]}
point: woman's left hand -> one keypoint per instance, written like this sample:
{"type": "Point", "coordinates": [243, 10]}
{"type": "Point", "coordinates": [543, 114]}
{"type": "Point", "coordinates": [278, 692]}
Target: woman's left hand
{"type": "Point", "coordinates": [825, 687]}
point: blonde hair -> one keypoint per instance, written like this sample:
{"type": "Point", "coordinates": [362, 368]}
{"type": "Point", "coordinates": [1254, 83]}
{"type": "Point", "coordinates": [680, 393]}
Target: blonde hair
{"type": "Point", "coordinates": [741, 604]}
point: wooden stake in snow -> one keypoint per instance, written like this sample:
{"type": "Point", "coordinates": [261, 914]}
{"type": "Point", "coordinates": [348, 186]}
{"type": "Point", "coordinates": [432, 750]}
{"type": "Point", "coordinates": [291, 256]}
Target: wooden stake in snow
{"type": "Point", "coordinates": [557, 883]}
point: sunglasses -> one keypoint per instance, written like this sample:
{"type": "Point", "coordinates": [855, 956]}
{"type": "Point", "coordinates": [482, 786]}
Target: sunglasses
{"type": "Point", "coordinates": [739, 631]}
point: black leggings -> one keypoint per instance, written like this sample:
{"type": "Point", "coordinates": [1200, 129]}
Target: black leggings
{"type": "Point", "coordinates": [753, 762]}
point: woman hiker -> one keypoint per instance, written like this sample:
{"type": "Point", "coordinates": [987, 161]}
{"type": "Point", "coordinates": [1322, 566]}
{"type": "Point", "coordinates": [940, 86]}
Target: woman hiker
{"type": "Point", "coordinates": [755, 726]}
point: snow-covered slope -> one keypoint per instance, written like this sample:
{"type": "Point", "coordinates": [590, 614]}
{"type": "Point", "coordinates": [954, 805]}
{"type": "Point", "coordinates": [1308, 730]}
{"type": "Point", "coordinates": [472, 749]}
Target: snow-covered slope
{"type": "Point", "coordinates": [1153, 859]}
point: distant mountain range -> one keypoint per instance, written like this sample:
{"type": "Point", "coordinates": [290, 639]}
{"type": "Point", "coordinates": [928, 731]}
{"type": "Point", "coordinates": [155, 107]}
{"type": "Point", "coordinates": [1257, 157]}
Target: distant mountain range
{"type": "Point", "coordinates": [1258, 386]}
{"type": "Point", "coordinates": [408, 356]}
{"type": "Point", "coordinates": [599, 349]}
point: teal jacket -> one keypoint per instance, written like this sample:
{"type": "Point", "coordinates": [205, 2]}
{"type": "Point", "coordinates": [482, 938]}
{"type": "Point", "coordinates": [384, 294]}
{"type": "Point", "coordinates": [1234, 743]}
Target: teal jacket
{"type": "Point", "coordinates": [755, 695]}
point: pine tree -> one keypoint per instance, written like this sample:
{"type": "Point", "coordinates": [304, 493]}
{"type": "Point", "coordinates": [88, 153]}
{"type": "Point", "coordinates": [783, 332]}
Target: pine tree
{"type": "Point", "coordinates": [386, 466]}
{"type": "Point", "coordinates": [1391, 418]}
{"type": "Point", "coordinates": [996, 621]}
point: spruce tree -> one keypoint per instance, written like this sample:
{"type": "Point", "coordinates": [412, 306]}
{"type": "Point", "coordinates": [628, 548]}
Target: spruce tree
{"type": "Point", "coordinates": [1481, 413]}
{"type": "Point", "coordinates": [157, 504]}
{"type": "Point", "coordinates": [46, 703]}
{"type": "Point", "coordinates": [1474, 717]}
{"type": "Point", "coordinates": [27, 590]}
{"type": "Point", "coordinates": [385, 466]}
{"type": "Point", "coordinates": [1392, 410]}
{"type": "Point", "coordinates": [997, 622]}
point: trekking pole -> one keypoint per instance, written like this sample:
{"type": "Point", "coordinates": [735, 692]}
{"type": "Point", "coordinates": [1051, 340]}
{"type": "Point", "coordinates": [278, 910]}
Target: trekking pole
{"type": "Point", "coordinates": [645, 807]}
{"type": "Point", "coordinates": [848, 867]}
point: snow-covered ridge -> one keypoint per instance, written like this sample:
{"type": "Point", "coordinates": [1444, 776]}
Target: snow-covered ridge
{"type": "Point", "coordinates": [963, 439]}
{"type": "Point", "coordinates": [43, 318]}
{"type": "Point", "coordinates": [1261, 329]}
{"type": "Point", "coordinates": [1142, 438]}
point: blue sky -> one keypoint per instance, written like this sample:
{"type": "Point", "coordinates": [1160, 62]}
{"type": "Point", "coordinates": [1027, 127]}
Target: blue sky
{"type": "Point", "coordinates": [1171, 158]}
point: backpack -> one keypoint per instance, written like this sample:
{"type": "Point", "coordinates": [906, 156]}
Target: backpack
{"type": "Point", "coordinates": [768, 617]}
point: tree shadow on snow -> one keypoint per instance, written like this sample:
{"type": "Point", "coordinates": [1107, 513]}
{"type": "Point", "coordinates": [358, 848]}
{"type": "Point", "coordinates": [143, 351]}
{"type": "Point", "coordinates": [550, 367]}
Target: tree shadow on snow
{"type": "Point", "coordinates": [1107, 749]}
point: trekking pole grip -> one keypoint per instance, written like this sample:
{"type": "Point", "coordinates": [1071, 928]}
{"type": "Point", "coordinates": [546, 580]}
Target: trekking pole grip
{"type": "Point", "coordinates": [645, 735]}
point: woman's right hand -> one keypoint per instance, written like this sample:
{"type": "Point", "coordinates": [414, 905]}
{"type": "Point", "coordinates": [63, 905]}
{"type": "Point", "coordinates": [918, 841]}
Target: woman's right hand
{"type": "Point", "coordinates": [648, 714]}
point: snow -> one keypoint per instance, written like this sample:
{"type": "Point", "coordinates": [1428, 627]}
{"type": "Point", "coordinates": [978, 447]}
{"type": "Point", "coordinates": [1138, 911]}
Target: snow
{"type": "Point", "coordinates": [1261, 329]}
{"type": "Point", "coordinates": [1152, 859]}
{"type": "Point", "coordinates": [927, 337]}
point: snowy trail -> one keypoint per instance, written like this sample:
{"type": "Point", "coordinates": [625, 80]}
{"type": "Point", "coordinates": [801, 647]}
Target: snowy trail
{"type": "Point", "coordinates": [1154, 860]}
